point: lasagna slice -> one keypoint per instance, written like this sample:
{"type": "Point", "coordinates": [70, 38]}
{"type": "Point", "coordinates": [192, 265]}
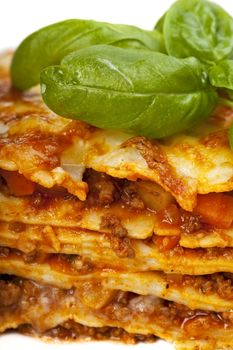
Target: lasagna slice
{"type": "Point", "coordinates": [107, 236]}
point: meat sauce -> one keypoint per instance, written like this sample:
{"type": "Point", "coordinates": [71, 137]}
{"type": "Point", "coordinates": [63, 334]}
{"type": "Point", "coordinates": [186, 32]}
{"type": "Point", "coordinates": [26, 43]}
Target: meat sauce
{"type": "Point", "coordinates": [67, 263]}
{"type": "Point", "coordinates": [18, 295]}
{"type": "Point", "coordinates": [70, 331]}
{"type": "Point", "coordinates": [220, 284]}
{"type": "Point", "coordinates": [106, 191]}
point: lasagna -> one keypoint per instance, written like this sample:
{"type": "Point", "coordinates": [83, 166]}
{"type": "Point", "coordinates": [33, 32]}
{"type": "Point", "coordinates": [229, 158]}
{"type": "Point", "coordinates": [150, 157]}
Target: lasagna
{"type": "Point", "coordinates": [104, 235]}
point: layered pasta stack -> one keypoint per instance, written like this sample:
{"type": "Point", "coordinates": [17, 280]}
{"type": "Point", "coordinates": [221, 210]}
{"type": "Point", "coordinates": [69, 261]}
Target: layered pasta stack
{"type": "Point", "coordinates": [107, 235]}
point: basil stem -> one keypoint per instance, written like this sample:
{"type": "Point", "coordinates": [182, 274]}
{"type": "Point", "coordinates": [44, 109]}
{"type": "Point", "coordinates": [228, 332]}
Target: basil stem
{"type": "Point", "coordinates": [50, 44]}
{"type": "Point", "coordinates": [143, 92]}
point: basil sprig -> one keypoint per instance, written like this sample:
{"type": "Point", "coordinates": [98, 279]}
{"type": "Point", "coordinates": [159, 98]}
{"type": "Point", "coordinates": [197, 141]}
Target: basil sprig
{"type": "Point", "coordinates": [143, 92]}
{"type": "Point", "coordinates": [50, 44]}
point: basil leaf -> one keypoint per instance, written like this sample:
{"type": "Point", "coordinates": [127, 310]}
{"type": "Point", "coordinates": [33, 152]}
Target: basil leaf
{"type": "Point", "coordinates": [50, 44]}
{"type": "Point", "coordinates": [221, 75]}
{"type": "Point", "coordinates": [198, 28]}
{"type": "Point", "coordinates": [159, 24]}
{"type": "Point", "coordinates": [158, 30]}
{"type": "Point", "coordinates": [143, 92]}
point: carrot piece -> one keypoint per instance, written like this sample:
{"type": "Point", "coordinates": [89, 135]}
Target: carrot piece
{"type": "Point", "coordinates": [215, 209]}
{"type": "Point", "coordinates": [17, 183]}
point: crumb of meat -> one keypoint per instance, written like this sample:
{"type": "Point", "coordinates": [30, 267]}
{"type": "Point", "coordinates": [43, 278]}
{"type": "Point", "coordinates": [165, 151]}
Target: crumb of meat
{"type": "Point", "coordinates": [113, 223]}
{"type": "Point", "coordinates": [118, 239]}
{"type": "Point", "coordinates": [131, 197]}
{"type": "Point", "coordinates": [9, 293]}
{"type": "Point", "coordinates": [102, 189]}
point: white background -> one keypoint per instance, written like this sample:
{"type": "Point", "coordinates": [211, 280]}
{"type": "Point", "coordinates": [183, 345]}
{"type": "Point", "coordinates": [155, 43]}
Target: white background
{"type": "Point", "coordinates": [18, 18]}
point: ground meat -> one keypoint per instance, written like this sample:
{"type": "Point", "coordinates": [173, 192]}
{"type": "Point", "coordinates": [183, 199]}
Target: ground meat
{"type": "Point", "coordinates": [105, 190]}
{"type": "Point", "coordinates": [122, 247]}
{"type": "Point", "coordinates": [209, 284]}
{"type": "Point", "coordinates": [119, 242]}
{"type": "Point", "coordinates": [71, 330]}
{"type": "Point", "coordinates": [131, 197]}
{"type": "Point", "coordinates": [123, 307]}
{"type": "Point", "coordinates": [113, 223]}
{"type": "Point", "coordinates": [151, 152]}
{"type": "Point", "coordinates": [218, 283]}
{"type": "Point", "coordinates": [102, 189]}
{"type": "Point", "coordinates": [9, 293]}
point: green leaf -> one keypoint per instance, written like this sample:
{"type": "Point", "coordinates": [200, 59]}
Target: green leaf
{"type": "Point", "coordinates": [50, 44]}
{"type": "Point", "coordinates": [159, 24]}
{"type": "Point", "coordinates": [221, 75]}
{"type": "Point", "coordinates": [143, 92]}
{"type": "Point", "coordinates": [198, 28]}
{"type": "Point", "coordinates": [230, 134]}
{"type": "Point", "coordinates": [158, 30]}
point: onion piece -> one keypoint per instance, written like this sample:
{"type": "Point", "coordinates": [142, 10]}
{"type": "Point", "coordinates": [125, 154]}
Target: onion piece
{"type": "Point", "coordinates": [3, 128]}
{"type": "Point", "coordinates": [76, 171]}
{"type": "Point", "coordinates": [154, 196]}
